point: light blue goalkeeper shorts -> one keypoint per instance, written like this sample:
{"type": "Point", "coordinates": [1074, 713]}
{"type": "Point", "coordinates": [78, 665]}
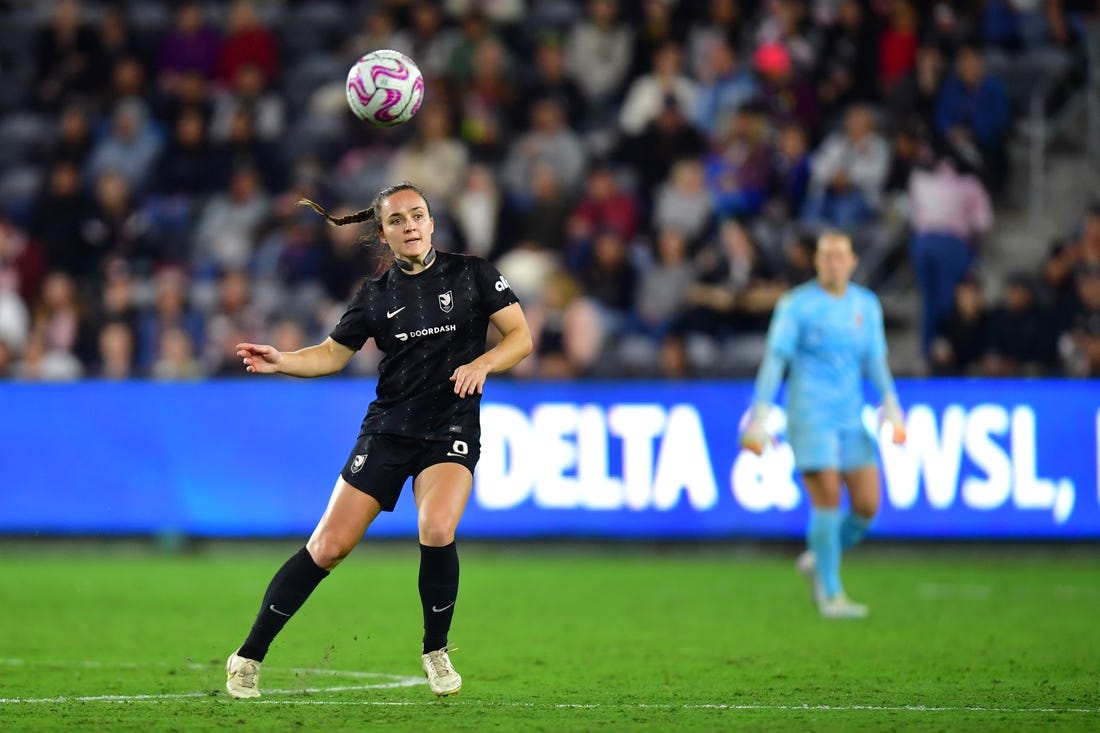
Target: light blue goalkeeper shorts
{"type": "Point", "coordinates": [842, 450]}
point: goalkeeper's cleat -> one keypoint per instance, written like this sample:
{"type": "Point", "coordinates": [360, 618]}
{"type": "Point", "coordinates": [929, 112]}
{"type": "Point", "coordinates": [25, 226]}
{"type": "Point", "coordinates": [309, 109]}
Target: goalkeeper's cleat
{"type": "Point", "coordinates": [242, 676]}
{"type": "Point", "coordinates": [841, 607]}
{"type": "Point", "coordinates": [442, 677]}
{"type": "Point", "coordinates": [807, 568]}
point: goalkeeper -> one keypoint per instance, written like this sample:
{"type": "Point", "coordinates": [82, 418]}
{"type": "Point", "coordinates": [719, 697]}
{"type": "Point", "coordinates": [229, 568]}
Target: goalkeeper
{"type": "Point", "coordinates": [827, 335]}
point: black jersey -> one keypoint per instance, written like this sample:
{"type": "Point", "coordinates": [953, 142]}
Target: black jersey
{"type": "Point", "coordinates": [427, 325]}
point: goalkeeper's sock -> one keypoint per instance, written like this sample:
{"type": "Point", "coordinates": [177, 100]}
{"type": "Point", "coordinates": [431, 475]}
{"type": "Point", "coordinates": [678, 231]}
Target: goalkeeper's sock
{"type": "Point", "coordinates": [823, 538]}
{"type": "Point", "coordinates": [438, 592]}
{"type": "Point", "coordinates": [286, 593]}
{"type": "Point", "coordinates": [853, 528]}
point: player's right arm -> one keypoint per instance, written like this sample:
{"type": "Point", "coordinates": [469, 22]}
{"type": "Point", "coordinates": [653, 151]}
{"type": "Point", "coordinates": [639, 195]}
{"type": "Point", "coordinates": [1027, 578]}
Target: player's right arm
{"type": "Point", "coordinates": [327, 357]}
{"type": "Point", "coordinates": [782, 340]}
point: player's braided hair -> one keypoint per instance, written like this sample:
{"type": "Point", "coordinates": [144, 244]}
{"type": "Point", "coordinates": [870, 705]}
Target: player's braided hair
{"type": "Point", "coordinates": [371, 212]}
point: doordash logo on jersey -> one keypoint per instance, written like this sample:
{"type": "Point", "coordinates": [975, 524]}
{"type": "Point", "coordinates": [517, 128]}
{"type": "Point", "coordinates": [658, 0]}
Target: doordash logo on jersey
{"type": "Point", "coordinates": [655, 457]}
{"type": "Point", "coordinates": [425, 332]}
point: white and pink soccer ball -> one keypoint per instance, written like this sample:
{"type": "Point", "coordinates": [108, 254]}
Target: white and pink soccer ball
{"type": "Point", "coordinates": [385, 88]}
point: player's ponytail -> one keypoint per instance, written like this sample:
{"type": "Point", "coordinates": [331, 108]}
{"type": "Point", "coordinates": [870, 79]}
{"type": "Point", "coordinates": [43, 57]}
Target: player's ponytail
{"type": "Point", "coordinates": [359, 216]}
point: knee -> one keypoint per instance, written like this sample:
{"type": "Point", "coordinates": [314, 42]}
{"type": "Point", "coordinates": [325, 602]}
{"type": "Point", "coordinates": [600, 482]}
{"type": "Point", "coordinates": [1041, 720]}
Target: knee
{"type": "Point", "coordinates": [436, 533]}
{"type": "Point", "coordinates": [867, 508]}
{"type": "Point", "coordinates": [327, 551]}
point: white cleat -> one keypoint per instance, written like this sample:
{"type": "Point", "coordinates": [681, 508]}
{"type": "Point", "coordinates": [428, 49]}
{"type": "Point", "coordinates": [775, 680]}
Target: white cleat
{"type": "Point", "coordinates": [841, 607]}
{"type": "Point", "coordinates": [242, 676]}
{"type": "Point", "coordinates": [807, 568]}
{"type": "Point", "coordinates": [442, 677]}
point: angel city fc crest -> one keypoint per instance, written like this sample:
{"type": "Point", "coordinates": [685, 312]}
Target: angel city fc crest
{"type": "Point", "coordinates": [446, 302]}
{"type": "Point", "coordinates": [357, 463]}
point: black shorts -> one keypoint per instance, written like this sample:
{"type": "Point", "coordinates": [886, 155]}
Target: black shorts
{"type": "Point", "coordinates": [380, 463]}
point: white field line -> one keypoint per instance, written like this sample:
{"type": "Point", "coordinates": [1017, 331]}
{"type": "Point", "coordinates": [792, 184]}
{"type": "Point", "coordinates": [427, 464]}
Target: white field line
{"type": "Point", "coordinates": [385, 682]}
{"type": "Point", "coordinates": [395, 681]}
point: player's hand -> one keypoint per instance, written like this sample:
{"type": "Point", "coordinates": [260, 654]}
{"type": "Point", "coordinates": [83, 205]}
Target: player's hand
{"type": "Point", "coordinates": [892, 414]}
{"type": "Point", "coordinates": [470, 378]}
{"type": "Point", "coordinates": [259, 358]}
{"type": "Point", "coordinates": [755, 438]}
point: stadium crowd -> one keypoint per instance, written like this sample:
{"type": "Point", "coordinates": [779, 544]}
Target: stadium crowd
{"type": "Point", "coordinates": [650, 176]}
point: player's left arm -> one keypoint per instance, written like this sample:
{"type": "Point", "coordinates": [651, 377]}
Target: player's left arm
{"type": "Point", "coordinates": [877, 369]}
{"type": "Point", "coordinates": [513, 346]}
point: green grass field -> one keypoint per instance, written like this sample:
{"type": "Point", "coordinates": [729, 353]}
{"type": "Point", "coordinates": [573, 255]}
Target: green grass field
{"type": "Point", "coordinates": [558, 638]}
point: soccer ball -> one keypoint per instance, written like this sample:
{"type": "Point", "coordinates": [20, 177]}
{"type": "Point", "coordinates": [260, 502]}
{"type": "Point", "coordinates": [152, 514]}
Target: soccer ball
{"type": "Point", "coordinates": [385, 88]}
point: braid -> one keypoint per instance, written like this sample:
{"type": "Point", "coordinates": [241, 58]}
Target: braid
{"type": "Point", "coordinates": [359, 216]}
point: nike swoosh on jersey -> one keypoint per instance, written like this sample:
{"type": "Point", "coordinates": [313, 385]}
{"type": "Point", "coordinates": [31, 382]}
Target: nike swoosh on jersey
{"type": "Point", "coordinates": [391, 314]}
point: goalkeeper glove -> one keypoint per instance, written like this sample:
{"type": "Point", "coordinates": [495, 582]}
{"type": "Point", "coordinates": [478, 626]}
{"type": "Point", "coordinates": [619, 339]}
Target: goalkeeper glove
{"type": "Point", "coordinates": [755, 437]}
{"type": "Point", "coordinates": [891, 413]}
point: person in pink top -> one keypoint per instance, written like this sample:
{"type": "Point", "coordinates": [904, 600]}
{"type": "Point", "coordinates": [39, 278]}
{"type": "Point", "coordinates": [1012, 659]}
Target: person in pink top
{"type": "Point", "coordinates": [950, 209]}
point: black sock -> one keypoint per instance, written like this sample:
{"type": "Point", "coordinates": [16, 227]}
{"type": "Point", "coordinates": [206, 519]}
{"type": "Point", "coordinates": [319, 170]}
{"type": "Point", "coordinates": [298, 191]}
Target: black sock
{"type": "Point", "coordinates": [438, 592]}
{"type": "Point", "coordinates": [286, 593]}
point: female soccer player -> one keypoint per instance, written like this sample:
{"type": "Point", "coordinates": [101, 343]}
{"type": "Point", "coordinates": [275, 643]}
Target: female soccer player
{"type": "Point", "coordinates": [429, 313]}
{"type": "Point", "coordinates": [829, 334]}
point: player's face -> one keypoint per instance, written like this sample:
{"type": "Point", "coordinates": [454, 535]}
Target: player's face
{"type": "Point", "coordinates": [406, 226]}
{"type": "Point", "coordinates": [835, 262]}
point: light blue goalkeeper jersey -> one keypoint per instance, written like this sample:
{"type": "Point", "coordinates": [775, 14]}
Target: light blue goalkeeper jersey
{"type": "Point", "coordinates": [829, 343]}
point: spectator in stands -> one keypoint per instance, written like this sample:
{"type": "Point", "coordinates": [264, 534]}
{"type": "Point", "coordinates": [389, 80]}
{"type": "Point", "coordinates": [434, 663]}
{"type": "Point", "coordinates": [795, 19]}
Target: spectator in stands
{"type": "Point", "coordinates": [478, 209]}
{"type": "Point", "coordinates": [683, 202]}
{"type": "Point", "coordinates": [549, 143]}
{"type": "Point", "coordinates": [604, 205]}
{"type": "Point", "coordinates": [648, 93]}
{"type": "Point", "coordinates": [187, 167]}
{"type": "Point", "coordinates": [913, 97]}
{"type": "Point", "coordinates": [56, 219]}
{"type": "Point", "coordinates": [343, 261]}
{"type": "Point", "coordinates": [550, 79]}
{"type": "Point", "coordinates": [58, 316]}
{"type": "Point", "coordinates": [786, 23]}
{"type": "Point", "coordinates": [786, 94]}
{"type": "Point", "coordinates": [433, 156]}
{"type": "Point", "coordinates": [598, 55]}
{"type": "Point", "coordinates": [128, 79]}
{"type": "Point", "coordinates": [171, 309]}
{"type": "Point", "coordinates": [790, 171]}
{"type": "Point", "coordinates": [64, 51]}
{"type": "Point", "coordinates": [428, 40]}
{"type": "Point", "coordinates": [972, 110]}
{"type": "Point", "coordinates": [73, 142]}
{"type": "Point", "coordinates": [539, 216]}
{"type": "Point", "coordinates": [725, 88]}
{"type": "Point", "coordinates": [1023, 332]}
{"type": "Point", "coordinates": [962, 337]}
{"type": "Point", "coordinates": [247, 42]}
{"type": "Point", "coordinates": [668, 138]}
{"type": "Point", "coordinates": [1080, 251]}
{"type": "Point", "coordinates": [484, 102]}
{"type": "Point", "coordinates": [131, 147]}
{"type": "Point", "coordinates": [721, 22]}
{"type": "Point", "coordinates": [115, 225]}
{"type": "Point", "coordinates": [226, 229]}
{"type": "Point", "coordinates": [850, 49]}
{"type": "Point", "coordinates": [848, 172]}
{"type": "Point", "coordinates": [175, 357]}
{"type": "Point", "coordinates": [739, 171]}
{"type": "Point", "coordinates": [40, 363]}
{"type": "Point", "coordinates": [1079, 345]}
{"type": "Point", "coordinates": [950, 210]}
{"type": "Point", "coordinates": [659, 26]}
{"type": "Point", "coordinates": [610, 280]}
{"type": "Point", "coordinates": [116, 351]}
{"type": "Point", "coordinates": [23, 265]}
{"type": "Point", "coordinates": [898, 45]}
{"type": "Point", "coordinates": [117, 41]}
{"type": "Point", "coordinates": [248, 90]}
{"type": "Point", "coordinates": [191, 45]}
